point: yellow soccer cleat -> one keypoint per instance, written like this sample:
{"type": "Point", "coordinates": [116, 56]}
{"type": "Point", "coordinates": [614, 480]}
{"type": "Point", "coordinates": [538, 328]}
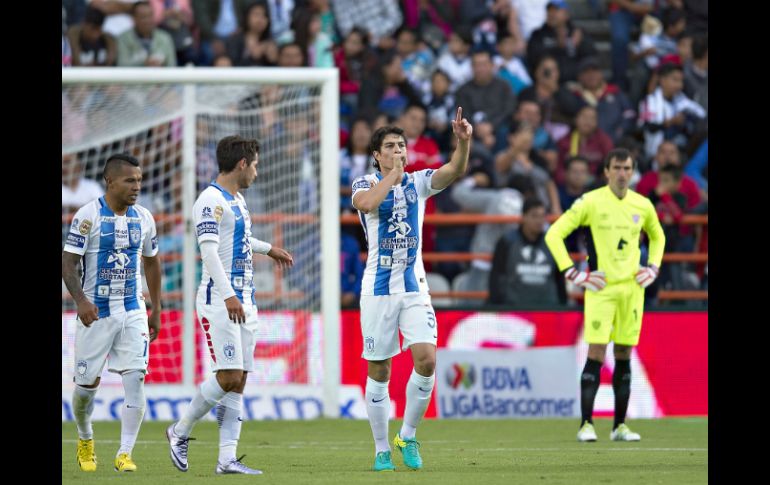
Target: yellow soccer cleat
{"type": "Point", "coordinates": [86, 455]}
{"type": "Point", "coordinates": [124, 463]}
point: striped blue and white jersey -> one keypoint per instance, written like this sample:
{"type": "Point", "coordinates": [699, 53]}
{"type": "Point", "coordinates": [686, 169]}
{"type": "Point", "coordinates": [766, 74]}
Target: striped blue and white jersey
{"type": "Point", "coordinates": [223, 218]}
{"type": "Point", "coordinates": [394, 234]}
{"type": "Point", "coordinates": [111, 245]}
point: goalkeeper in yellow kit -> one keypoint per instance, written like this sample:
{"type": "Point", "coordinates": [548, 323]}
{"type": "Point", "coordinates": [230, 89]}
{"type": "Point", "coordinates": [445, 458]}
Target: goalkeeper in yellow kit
{"type": "Point", "coordinates": [615, 281]}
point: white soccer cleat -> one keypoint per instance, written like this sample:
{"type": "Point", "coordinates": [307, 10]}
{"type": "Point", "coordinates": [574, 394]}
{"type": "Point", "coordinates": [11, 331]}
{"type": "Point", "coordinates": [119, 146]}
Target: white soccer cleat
{"type": "Point", "coordinates": [586, 433]}
{"type": "Point", "coordinates": [235, 466]}
{"type": "Point", "coordinates": [623, 433]}
{"type": "Point", "coordinates": [177, 448]}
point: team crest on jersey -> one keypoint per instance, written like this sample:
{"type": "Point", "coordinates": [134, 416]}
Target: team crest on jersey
{"type": "Point", "coordinates": [135, 234]}
{"type": "Point", "coordinates": [85, 226]}
{"type": "Point", "coordinates": [369, 344]}
{"type": "Point", "coordinates": [229, 351]}
{"type": "Point", "coordinates": [411, 195]}
{"type": "Point", "coordinates": [635, 218]}
{"type": "Point", "coordinates": [82, 367]}
{"type": "Point", "coordinates": [218, 211]}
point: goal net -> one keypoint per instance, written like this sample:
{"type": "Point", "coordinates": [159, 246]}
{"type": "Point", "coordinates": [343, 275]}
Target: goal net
{"type": "Point", "coordinates": [172, 126]}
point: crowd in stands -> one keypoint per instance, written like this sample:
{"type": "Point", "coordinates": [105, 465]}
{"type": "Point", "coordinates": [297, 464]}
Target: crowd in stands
{"type": "Point", "coordinates": [545, 108]}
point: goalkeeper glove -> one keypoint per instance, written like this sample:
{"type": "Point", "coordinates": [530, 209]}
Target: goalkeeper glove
{"type": "Point", "coordinates": [594, 281]}
{"type": "Point", "coordinates": [646, 275]}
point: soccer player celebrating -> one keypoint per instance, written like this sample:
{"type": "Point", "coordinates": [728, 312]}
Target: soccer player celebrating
{"type": "Point", "coordinates": [226, 304]}
{"type": "Point", "coordinates": [109, 234]}
{"type": "Point", "coordinates": [394, 293]}
{"type": "Point", "coordinates": [614, 302]}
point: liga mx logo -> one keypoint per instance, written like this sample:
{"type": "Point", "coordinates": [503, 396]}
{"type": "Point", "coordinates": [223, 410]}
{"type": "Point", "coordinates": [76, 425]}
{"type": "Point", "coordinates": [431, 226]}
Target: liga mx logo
{"type": "Point", "coordinates": [461, 374]}
{"type": "Point", "coordinates": [369, 342]}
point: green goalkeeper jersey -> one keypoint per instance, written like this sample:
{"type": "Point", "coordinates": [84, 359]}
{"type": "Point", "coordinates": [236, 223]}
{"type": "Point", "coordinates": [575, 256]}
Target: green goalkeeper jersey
{"type": "Point", "coordinates": [614, 226]}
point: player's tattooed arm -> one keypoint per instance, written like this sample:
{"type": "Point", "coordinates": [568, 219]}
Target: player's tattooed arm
{"type": "Point", "coordinates": [87, 311]}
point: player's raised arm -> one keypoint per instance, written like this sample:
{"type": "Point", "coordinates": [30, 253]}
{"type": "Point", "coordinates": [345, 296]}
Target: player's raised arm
{"type": "Point", "coordinates": [457, 165]}
{"type": "Point", "coordinates": [371, 196]}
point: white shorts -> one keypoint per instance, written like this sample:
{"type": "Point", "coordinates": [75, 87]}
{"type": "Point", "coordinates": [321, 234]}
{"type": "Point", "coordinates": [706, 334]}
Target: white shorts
{"type": "Point", "coordinates": [231, 345]}
{"type": "Point", "coordinates": [383, 316]}
{"type": "Point", "coordinates": [124, 337]}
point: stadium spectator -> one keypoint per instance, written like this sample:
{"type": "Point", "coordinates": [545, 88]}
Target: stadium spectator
{"type": "Point", "coordinates": [252, 44]}
{"type": "Point", "coordinates": [118, 15]}
{"type": "Point", "coordinates": [386, 90]}
{"type": "Point", "coordinates": [587, 139]}
{"type": "Point", "coordinates": [487, 97]}
{"type": "Point", "coordinates": [145, 45]}
{"type": "Point", "coordinates": [328, 23]}
{"type": "Point", "coordinates": [509, 66]}
{"type": "Point", "coordinates": [528, 111]}
{"type": "Point", "coordinates": [560, 39]}
{"type": "Point", "coordinates": [667, 113]}
{"type": "Point", "coordinates": [696, 72]}
{"type": "Point", "coordinates": [417, 59]}
{"type": "Point", "coordinates": [315, 43]}
{"type": "Point", "coordinates": [617, 116]}
{"type": "Point", "coordinates": [91, 46]}
{"type": "Point", "coordinates": [380, 18]}
{"type": "Point", "coordinates": [440, 103]}
{"type": "Point", "coordinates": [520, 159]}
{"type": "Point", "coordinates": [176, 18]}
{"type": "Point", "coordinates": [216, 20]}
{"type": "Point", "coordinates": [281, 15]}
{"type": "Point", "coordinates": [624, 15]}
{"type": "Point", "coordinates": [558, 106]}
{"type": "Point", "coordinates": [659, 43]}
{"type": "Point", "coordinates": [577, 181]}
{"type": "Point", "coordinates": [455, 61]}
{"type": "Point", "coordinates": [524, 272]}
{"type": "Point", "coordinates": [76, 190]}
{"type": "Point", "coordinates": [290, 55]}
{"type": "Point", "coordinates": [355, 160]}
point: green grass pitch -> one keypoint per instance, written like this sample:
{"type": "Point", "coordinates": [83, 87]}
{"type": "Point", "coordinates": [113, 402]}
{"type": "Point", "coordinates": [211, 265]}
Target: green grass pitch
{"type": "Point", "coordinates": [469, 452]}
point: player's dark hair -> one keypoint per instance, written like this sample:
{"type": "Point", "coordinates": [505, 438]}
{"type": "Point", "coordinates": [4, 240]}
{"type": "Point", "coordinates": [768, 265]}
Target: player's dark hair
{"type": "Point", "coordinates": [379, 135]}
{"type": "Point", "coordinates": [233, 149]}
{"type": "Point", "coordinates": [619, 154]}
{"type": "Point", "coordinates": [118, 160]}
{"type": "Point", "coordinates": [666, 69]}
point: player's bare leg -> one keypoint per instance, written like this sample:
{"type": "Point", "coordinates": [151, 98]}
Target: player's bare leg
{"type": "Point", "coordinates": [621, 387]}
{"type": "Point", "coordinates": [418, 393]}
{"type": "Point", "coordinates": [589, 386]}
{"type": "Point", "coordinates": [378, 410]}
{"type": "Point", "coordinates": [82, 408]}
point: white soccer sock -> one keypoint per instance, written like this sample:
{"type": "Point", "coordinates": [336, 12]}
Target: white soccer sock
{"type": "Point", "coordinates": [378, 410]}
{"type": "Point", "coordinates": [82, 407]}
{"type": "Point", "coordinates": [134, 404]}
{"type": "Point", "coordinates": [208, 395]}
{"type": "Point", "coordinates": [229, 419]}
{"type": "Point", "coordinates": [418, 391]}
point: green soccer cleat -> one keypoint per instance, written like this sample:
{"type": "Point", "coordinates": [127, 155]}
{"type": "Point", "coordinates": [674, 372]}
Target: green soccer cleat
{"type": "Point", "coordinates": [623, 433]}
{"type": "Point", "coordinates": [383, 462]}
{"type": "Point", "coordinates": [586, 433]}
{"type": "Point", "coordinates": [410, 450]}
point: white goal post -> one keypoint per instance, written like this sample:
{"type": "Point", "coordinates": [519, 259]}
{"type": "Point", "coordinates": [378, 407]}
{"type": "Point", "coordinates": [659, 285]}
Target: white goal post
{"type": "Point", "coordinates": [189, 84]}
